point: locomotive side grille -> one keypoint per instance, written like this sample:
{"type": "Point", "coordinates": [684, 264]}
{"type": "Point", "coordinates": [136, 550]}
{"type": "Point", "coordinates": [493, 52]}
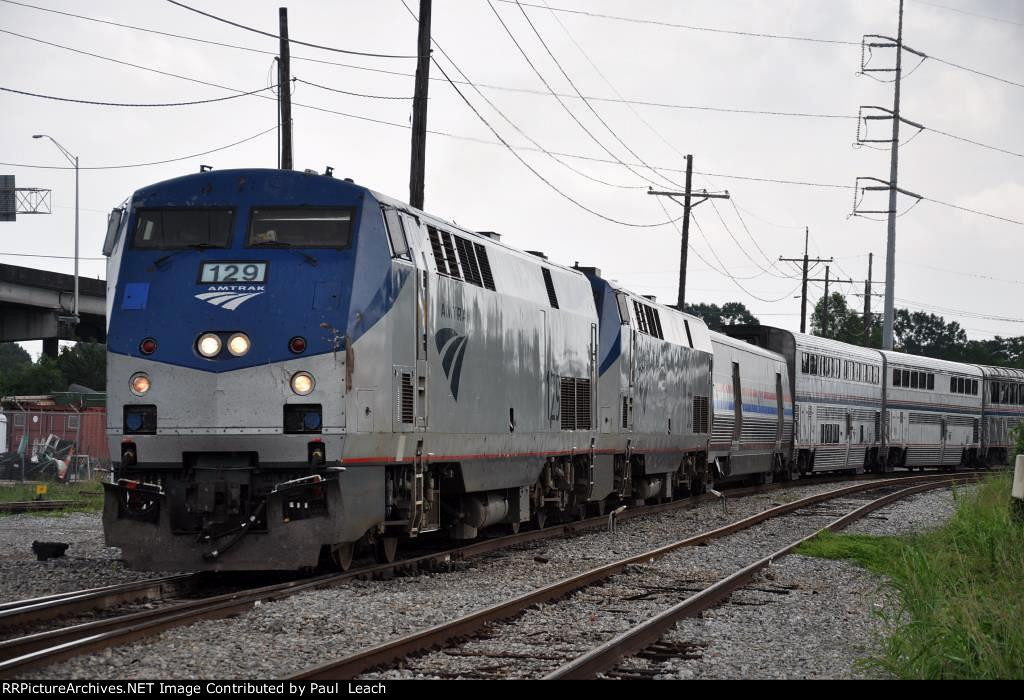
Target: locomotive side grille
{"type": "Point", "coordinates": [575, 395]}
{"type": "Point", "coordinates": [568, 404]}
{"type": "Point", "coordinates": [964, 421]}
{"type": "Point", "coordinates": [550, 285]}
{"type": "Point", "coordinates": [723, 428]}
{"type": "Point", "coordinates": [625, 413]}
{"type": "Point", "coordinates": [408, 399]}
{"type": "Point", "coordinates": [583, 421]}
{"type": "Point", "coordinates": [828, 413]}
{"type": "Point", "coordinates": [449, 253]}
{"type": "Point", "coordinates": [435, 245]}
{"type": "Point", "coordinates": [925, 419]}
{"type": "Point", "coordinates": [485, 266]}
{"type": "Point", "coordinates": [468, 258]}
{"type": "Point", "coordinates": [701, 414]}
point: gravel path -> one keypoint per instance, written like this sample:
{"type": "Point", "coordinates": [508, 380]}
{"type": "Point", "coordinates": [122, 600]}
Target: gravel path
{"type": "Point", "coordinates": [288, 635]}
{"type": "Point", "coordinates": [88, 563]}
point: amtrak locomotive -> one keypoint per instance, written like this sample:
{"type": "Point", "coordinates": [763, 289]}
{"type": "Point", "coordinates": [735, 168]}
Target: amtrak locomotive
{"type": "Point", "coordinates": [300, 368]}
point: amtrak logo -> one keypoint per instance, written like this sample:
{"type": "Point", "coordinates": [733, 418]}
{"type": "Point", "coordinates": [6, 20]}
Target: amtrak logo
{"type": "Point", "coordinates": [452, 348]}
{"type": "Point", "coordinates": [230, 296]}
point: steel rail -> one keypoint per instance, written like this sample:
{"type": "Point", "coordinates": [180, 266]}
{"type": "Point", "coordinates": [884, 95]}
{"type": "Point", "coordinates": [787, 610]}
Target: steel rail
{"type": "Point", "coordinates": [606, 656]}
{"type": "Point", "coordinates": [424, 640]}
{"type": "Point", "coordinates": [35, 650]}
{"type": "Point", "coordinates": [22, 612]}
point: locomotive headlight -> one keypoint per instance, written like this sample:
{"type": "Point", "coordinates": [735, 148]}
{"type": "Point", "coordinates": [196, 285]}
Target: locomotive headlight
{"type": "Point", "coordinates": [208, 345]}
{"type": "Point", "coordinates": [238, 344]}
{"type": "Point", "coordinates": [139, 383]}
{"type": "Point", "coordinates": [302, 383]}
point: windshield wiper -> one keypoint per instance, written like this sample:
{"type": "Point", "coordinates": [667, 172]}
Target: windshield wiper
{"type": "Point", "coordinates": [190, 246]}
{"type": "Point", "coordinates": [281, 244]}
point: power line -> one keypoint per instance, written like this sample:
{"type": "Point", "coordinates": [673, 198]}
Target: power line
{"type": "Point", "coordinates": [965, 274]}
{"type": "Point", "coordinates": [693, 27]}
{"type": "Point", "coordinates": [972, 14]}
{"type": "Point", "coordinates": [511, 123]}
{"type": "Point", "coordinates": [976, 143]}
{"type": "Point", "coordinates": [551, 90]}
{"type": "Point", "coordinates": [585, 101]}
{"type": "Point", "coordinates": [534, 171]}
{"type": "Point", "coordinates": [974, 211]}
{"type": "Point", "coordinates": [976, 72]}
{"type": "Point", "coordinates": [290, 41]}
{"type": "Point", "coordinates": [137, 104]}
{"type": "Point", "coordinates": [354, 94]}
{"type": "Point", "coordinates": [619, 99]}
{"type": "Point", "coordinates": [50, 257]}
{"type": "Point", "coordinates": [142, 165]}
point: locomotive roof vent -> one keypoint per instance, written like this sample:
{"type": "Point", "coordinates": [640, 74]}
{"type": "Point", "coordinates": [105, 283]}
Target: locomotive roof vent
{"type": "Point", "coordinates": [595, 271]}
{"type": "Point", "coordinates": [538, 254]}
{"type": "Point", "coordinates": [651, 298]}
{"type": "Point", "coordinates": [493, 235]}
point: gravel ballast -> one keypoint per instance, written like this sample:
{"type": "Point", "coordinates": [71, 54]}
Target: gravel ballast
{"type": "Point", "coordinates": [283, 637]}
{"type": "Point", "coordinates": [88, 563]}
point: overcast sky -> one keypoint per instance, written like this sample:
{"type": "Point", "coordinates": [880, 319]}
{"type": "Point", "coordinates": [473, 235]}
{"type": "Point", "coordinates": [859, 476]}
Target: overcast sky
{"type": "Point", "coordinates": [946, 259]}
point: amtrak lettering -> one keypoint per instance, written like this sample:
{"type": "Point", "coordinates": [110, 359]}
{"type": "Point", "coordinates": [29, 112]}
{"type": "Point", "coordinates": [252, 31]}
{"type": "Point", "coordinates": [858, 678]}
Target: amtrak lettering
{"type": "Point", "coordinates": [454, 313]}
{"type": "Point", "coordinates": [452, 348]}
{"type": "Point", "coordinates": [230, 296]}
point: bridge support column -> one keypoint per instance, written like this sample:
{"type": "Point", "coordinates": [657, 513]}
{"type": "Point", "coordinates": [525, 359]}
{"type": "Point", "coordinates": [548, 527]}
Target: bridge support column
{"type": "Point", "coordinates": [51, 347]}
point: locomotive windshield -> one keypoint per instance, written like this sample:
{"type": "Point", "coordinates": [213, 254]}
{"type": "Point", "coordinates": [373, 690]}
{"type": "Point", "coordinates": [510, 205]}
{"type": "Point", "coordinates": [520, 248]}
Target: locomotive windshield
{"type": "Point", "coordinates": [167, 229]}
{"type": "Point", "coordinates": [300, 228]}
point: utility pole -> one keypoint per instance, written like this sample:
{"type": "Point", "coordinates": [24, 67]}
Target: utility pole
{"type": "Point", "coordinates": [890, 245]}
{"type": "Point", "coordinates": [867, 302]}
{"type": "Point", "coordinates": [807, 261]}
{"type": "Point", "coordinates": [828, 280]}
{"type": "Point", "coordinates": [284, 91]}
{"type": "Point", "coordinates": [688, 205]}
{"type": "Point", "coordinates": [891, 186]}
{"type": "Point", "coordinates": [418, 164]}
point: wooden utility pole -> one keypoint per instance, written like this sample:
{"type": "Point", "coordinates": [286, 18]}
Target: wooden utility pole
{"type": "Point", "coordinates": [688, 205]}
{"type": "Point", "coordinates": [806, 270]}
{"type": "Point", "coordinates": [418, 164]}
{"type": "Point", "coordinates": [284, 91]}
{"type": "Point", "coordinates": [825, 315]}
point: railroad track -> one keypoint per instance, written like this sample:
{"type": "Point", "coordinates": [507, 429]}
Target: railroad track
{"type": "Point", "coordinates": [14, 507]}
{"type": "Point", "coordinates": [639, 637]}
{"type": "Point", "coordinates": [24, 653]}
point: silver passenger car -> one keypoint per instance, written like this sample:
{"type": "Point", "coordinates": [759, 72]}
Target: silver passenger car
{"type": "Point", "coordinates": [933, 411]}
{"type": "Point", "coordinates": [753, 412]}
{"type": "Point", "coordinates": [1003, 410]}
{"type": "Point", "coordinates": [837, 398]}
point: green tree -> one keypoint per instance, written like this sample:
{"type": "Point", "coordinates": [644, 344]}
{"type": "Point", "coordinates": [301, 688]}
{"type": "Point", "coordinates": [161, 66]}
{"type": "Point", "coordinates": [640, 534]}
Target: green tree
{"type": "Point", "coordinates": [920, 333]}
{"type": "Point", "coordinates": [85, 364]}
{"type": "Point", "coordinates": [844, 323]}
{"type": "Point", "coordinates": [42, 377]}
{"type": "Point", "coordinates": [732, 313]}
{"type": "Point", "coordinates": [12, 356]}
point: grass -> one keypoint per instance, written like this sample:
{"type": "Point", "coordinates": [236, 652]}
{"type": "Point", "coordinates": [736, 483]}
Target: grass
{"type": "Point", "coordinates": [960, 589]}
{"type": "Point", "coordinates": [87, 493]}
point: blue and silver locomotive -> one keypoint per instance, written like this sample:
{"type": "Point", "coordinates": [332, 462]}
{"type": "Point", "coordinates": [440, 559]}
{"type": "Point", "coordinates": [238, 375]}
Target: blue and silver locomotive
{"type": "Point", "coordinates": [299, 367]}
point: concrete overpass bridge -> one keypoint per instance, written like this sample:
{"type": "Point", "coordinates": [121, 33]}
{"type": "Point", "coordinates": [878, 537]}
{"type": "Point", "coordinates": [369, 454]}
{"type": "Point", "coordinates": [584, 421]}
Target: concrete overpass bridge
{"type": "Point", "coordinates": [37, 305]}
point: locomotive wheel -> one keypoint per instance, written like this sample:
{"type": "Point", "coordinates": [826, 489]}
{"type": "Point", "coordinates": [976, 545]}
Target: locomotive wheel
{"type": "Point", "coordinates": [385, 549]}
{"type": "Point", "coordinates": [341, 555]}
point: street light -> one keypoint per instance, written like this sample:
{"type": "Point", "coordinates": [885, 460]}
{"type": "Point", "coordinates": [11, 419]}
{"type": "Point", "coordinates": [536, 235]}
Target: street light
{"type": "Point", "coordinates": [74, 161]}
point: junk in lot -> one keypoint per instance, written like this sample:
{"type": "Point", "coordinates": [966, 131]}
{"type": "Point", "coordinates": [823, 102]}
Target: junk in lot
{"type": "Point", "coordinates": [49, 550]}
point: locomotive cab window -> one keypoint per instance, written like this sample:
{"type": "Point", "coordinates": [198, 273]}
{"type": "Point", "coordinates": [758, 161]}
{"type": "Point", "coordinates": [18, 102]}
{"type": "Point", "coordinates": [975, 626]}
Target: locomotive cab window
{"type": "Point", "coordinates": [167, 229]}
{"type": "Point", "coordinates": [396, 233]}
{"type": "Point", "coordinates": [306, 227]}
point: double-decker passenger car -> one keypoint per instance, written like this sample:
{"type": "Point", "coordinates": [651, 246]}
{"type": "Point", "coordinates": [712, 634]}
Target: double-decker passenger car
{"type": "Point", "coordinates": [933, 411]}
{"type": "Point", "coordinates": [837, 398]}
{"type": "Point", "coordinates": [1003, 411]}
